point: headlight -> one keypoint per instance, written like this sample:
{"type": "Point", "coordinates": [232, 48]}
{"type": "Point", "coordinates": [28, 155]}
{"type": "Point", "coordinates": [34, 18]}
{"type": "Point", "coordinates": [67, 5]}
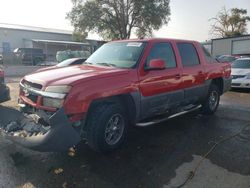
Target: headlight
{"type": "Point", "coordinates": [54, 103]}
{"type": "Point", "coordinates": [58, 89]}
{"type": "Point", "coordinates": [247, 76]}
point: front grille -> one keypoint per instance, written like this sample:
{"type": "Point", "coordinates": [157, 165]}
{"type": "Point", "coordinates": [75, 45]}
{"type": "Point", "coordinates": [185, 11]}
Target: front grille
{"type": "Point", "coordinates": [27, 93]}
{"type": "Point", "coordinates": [237, 76]}
{"type": "Point", "coordinates": [235, 84]}
{"type": "Point", "coordinates": [33, 98]}
{"type": "Point", "coordinates": [32, 85]}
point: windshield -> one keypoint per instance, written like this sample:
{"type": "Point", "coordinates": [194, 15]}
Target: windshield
{"type": "Point", "coordinates": [118, 54]}
{"type": "Point", "coordinates": [241, 64]}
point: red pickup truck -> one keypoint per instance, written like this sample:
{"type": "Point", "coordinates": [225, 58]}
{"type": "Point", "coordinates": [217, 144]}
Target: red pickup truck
{"type": "Point", "coordinates": [128, 82]}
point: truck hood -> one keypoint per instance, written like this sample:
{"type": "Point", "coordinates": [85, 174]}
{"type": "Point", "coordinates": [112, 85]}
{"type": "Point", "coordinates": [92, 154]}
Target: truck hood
{"type": "Point", "coordinates": [236, 71]}
{"type": "Point", "coordinates": [72, 74]}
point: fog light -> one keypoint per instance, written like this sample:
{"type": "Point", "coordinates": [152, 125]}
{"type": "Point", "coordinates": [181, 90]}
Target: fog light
{"type": "Point", "coordinates": [54, 103]}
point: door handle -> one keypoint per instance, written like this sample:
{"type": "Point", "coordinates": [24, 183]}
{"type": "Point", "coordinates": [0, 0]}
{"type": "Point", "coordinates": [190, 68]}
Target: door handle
{"type": "Point", "coordinates": [177, 76]}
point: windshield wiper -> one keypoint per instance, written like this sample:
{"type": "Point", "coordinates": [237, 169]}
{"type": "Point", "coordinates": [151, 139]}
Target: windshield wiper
{"type": "Point", "coordinates": [107, 64]}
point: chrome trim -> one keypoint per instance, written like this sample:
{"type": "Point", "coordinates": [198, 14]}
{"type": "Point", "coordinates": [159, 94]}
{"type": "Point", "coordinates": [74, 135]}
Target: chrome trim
{"type": "Point", "coordinates": [43, 93]}
{"type": "Point", "coordinates": [149, 123]}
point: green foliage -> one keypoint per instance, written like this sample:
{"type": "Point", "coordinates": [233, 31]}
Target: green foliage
{"type": "Point", "coordinates": [79, 36]}
{"type": "Point", "coordinates": [230, 23]}
{"type": "Point", "coordinates": [117, 19]}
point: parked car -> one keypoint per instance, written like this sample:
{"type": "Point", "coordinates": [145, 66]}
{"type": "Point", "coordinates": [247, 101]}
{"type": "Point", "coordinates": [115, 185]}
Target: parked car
{"type": "Point", "coordinates": [71, 61]}
{"type": "Point", "coordinates": [32, 56]}
{"type": "Point", "coordinates": [65, 63]}
{"type": "Point", "coordinates": [130, 82]}
{"type": "Point", "coordinates": [64, 55]}
{"type": "Point", "coordinates": [227, 58]}
{"type": "Point", "coordinates": [4, 90]}
{"type": "Point", "coordinates": [230, 58]}
{"type": "Point", "coordinates": [241, 73]}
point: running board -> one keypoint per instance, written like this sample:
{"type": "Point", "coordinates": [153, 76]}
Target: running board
{"type": "Point", "coordinates": [156, 121]}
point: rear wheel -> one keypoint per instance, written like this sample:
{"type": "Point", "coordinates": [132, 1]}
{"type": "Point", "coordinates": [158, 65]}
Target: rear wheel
{"type": "Point", "coordinates": [212, 101]}
{"type": "Point", "coordinates": [106, 127]}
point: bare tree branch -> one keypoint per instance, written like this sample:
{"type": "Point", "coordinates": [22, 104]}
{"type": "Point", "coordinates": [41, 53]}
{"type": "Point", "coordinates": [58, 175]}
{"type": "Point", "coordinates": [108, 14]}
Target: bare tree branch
{"type": "Point", "coordinates": [229, 22]}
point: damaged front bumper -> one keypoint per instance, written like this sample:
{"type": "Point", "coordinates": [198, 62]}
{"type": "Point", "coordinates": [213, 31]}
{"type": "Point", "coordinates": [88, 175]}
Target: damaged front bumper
{"type": "Point", "coordinates": [58, 136]}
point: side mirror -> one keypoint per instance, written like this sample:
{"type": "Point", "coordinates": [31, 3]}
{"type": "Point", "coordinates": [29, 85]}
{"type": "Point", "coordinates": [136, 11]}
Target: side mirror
{"type": "Point", "coordinates": [156, 64]}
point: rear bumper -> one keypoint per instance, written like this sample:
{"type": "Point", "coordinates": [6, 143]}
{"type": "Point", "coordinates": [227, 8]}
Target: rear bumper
{"type": "Point", "coordinates": [4, 93]}
{"type": "Point", "coordinates": [240, 84]}
{"type": "Point", "coordinates": [60, 137]}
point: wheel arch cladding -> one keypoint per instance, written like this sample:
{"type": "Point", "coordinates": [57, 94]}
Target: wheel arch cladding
{"type": "Point", "coordinates": [129, 101]}
{"type": "Point", "coordinates": [219, 83]}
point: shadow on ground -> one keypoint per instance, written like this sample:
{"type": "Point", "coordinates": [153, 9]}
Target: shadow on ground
{"type": "Point", "coordinates": [8, 114]}
{"type": "Point", "coordinates": [148, 159]}
{"type": "Point", "coordinates": [240, 90]}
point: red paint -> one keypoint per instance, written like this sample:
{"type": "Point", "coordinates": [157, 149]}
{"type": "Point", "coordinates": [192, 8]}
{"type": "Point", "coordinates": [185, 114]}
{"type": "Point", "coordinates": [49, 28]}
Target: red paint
{"type": "Point", "coordinates": [94, 82]}
{"type": "Point", "coordinates": [157, 64]}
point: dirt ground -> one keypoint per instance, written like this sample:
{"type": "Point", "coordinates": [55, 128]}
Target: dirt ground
{"type": "Point", "coordinates": [157, 156]}
{"type": "Point", "coordinates": [13, 83]}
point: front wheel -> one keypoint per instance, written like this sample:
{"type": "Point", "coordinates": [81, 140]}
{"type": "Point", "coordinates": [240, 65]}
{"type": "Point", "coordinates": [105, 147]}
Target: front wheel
{"type": "Point", "coordinates": [212, 101]}
{"type": "Point", "coordinates": [106, 127]}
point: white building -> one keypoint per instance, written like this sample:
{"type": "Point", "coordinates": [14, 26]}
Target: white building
{"type": "Point", "coordinates": [231, 46]}
{"type": "Point", "coordinates": [50, 40]}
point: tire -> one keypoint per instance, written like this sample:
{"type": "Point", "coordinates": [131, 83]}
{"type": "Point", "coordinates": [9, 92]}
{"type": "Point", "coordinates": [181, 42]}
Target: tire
{"type": "Point", "coordinates": [212, 101]}
{"type": "Point", "coordinates": [100, 127]}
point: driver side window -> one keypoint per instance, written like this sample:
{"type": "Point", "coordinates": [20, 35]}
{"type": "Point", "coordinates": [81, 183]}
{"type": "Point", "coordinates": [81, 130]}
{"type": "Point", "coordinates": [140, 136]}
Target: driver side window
{"type": "Point", "coordinates": [163, 51]}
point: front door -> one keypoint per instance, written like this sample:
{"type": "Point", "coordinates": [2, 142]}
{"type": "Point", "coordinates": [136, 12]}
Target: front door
{"type": "Point", "coordinates": [160, 89]}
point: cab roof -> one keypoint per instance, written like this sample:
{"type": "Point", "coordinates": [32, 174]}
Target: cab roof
{"type": "Point", "coordinates": [153, 40]}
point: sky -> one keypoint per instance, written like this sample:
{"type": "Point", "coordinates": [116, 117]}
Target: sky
{"type": "Point", "coordinates": [189, 18]}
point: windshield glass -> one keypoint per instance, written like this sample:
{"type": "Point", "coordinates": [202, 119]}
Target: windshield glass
{"type": "Point", "coordinates": [117, 54]}
{"type": "Point", "coordinates": [241, 64]}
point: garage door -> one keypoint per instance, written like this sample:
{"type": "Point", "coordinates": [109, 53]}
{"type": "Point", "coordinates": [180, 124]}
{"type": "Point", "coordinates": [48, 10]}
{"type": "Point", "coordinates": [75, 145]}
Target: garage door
{"type": "Point", "coordinates": [241, 47]}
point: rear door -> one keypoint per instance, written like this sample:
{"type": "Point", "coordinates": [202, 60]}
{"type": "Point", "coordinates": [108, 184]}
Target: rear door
{"type": "Point", "coordinates": [193, 75]}
{"type": "Point", "coordinates": [160, 89]}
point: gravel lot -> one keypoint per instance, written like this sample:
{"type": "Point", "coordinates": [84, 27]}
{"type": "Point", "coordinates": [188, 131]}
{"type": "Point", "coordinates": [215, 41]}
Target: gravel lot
{"type": "Point", "coordinates": [157, 156]}
{"type": "Point", "coordinates": [13, 83]}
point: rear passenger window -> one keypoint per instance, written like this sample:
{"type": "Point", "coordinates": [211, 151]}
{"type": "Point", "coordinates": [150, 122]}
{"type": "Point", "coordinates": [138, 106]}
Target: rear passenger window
{"type": "Point", "coordinates": [189, 56]}
{"type": "Point", "coordinates": [162, 51]}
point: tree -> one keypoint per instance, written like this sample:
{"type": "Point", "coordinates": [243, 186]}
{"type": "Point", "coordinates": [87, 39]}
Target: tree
{"type": "Point", "coordinates": [79, 36]}
{"type": "Point", "coordinates": [117, 19]}
{"type": "Point", "coordinates": [230, 23]}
